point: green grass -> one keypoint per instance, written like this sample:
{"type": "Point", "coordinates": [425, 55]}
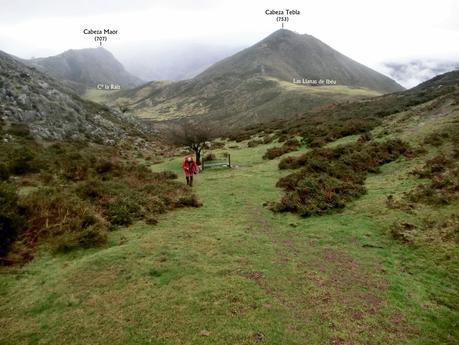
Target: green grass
{"type": "Point", "coordinates": [270, 98]}
{"type": "Point", "coordinates": [242, 273]}
{"type": "Point", "coordinates": [99, 96]}
{"type": "Point", "coordinates": [334, 89]}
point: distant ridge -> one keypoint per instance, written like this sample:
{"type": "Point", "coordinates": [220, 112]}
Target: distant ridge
{"type": "Point", "coordinates": [257, 85]}
{"type": "Point", "coordinates": [85, 68]}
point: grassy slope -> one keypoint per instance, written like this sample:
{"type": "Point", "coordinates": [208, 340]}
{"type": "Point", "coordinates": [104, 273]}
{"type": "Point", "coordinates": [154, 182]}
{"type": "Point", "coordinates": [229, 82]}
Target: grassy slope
{"type": "Point", "coordinates": [276, 97]}
{"type": "Point", "coordinates": [334, 89]}
{"type": "Point", "coordinates": [95, 95]}
{"type": "Point", "coordinates": [243, 274]}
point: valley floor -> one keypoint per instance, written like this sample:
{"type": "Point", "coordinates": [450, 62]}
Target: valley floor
{"type": "Point", "coordinates": [233, 272]}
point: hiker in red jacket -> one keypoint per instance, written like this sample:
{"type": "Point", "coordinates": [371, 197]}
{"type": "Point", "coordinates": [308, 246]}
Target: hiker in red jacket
{"type": "Point", "coordinates": [190, 168]}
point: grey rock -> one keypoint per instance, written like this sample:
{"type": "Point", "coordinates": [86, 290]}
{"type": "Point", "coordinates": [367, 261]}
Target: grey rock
{"type": "Point", "coordinates": [54, 111]}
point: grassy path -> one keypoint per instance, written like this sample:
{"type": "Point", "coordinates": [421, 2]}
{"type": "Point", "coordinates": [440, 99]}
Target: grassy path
{"type": "Point", "coordinates": [232, 272]}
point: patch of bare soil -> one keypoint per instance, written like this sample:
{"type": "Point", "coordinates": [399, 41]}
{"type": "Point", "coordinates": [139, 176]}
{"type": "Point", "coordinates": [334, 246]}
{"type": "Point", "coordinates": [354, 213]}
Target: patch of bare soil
{"type": "Point", "coordinates": [336, 290]}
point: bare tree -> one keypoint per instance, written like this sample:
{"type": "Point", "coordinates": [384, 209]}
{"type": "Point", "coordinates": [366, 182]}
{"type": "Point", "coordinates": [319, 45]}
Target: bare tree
{"type": "Point", "coordinates": [193, 136]}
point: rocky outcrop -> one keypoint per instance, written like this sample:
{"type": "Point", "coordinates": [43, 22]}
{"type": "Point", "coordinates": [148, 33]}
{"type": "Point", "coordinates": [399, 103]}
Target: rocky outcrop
{"type": "Point", "coordinates": [52, 111]}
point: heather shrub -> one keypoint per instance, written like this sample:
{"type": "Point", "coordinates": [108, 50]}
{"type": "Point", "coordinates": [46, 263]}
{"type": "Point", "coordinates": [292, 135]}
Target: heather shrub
{"type": "Point", "coordinates": [282, 137]}
{"type": "Point", "coordinates": [291, 162]}
{"type": "Point", "coordinates": [105, 166]}
{"type": "Point", "coordinates": [443, 188]}
{"type": "Point", "coordinates": [122, 212]}
{"type": "Point", "coordinates": [240, 136]}
{"type": "Point", "coordinates": [403, 231]}
{"type": "Point", "coordinates": [268, 139]}
{"type": "Point", "coordinates": [317, 194]}
{"type": "Point", "coordinates": [4, 172]}
{"type": "Point", "coordinates": [92, 235]}
{"type": "Point", "coordinates": [331, 177]}
{"type": "Point", "coordinates": [84, 191]}
{"type": "Point", "coordinates": [364, 138]}
{"type": "Point", "coordinates": [288, 146]}
{"type": "Point", "coordinates": [217, 145]}
{"type": "Point", "coordinates": [431, 231]}
{"type": "Point", "coordinates": [439, 137]}
{"type": "Point", "coordinates": [435, 166]}
{"type": "Point", "coordinates": [254, 142]}
{"type": "Point", "coordinates": [74, 166]}
{"type": "Point", "coordinates": [165, 175]}
{"type": "Point", "coordinates": [91, 189]}
{"type": "Point", "coordinates": [274, 152]}
{"type": "Point", "coordinates": [434, 139]}
{"type": "Point", "coordinates": [188, 200]}
{"type": "Point", "coordinates": [59, 217]}
{"type": "Point", "coordinates": [22, 160]}
{"type": "Point", "coordinates": [19, 130]}
{"type": "Point", "coordinates": [11, 217]}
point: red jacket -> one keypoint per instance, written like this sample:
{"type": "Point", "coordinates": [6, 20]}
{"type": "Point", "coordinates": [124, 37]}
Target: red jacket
{"type": "Point", "coordinates": [189, 169]}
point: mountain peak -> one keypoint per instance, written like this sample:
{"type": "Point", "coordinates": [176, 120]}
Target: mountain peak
{"type": "Point", "coordinates": [86, 68]}
{"type": "Point", "coordinates": [284, 32]}
{"type": "Point", "coordinates": [281, 34]}
{"type": "Point", "coordinates": [288, 55]}
{"type": "Point", "coordinates": [97, 50]}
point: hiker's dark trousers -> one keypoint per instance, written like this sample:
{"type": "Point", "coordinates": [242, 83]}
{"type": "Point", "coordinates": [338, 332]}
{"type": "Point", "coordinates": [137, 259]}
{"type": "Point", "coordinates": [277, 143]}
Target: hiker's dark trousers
{"type": "Point", "coordinates": [189, 181]}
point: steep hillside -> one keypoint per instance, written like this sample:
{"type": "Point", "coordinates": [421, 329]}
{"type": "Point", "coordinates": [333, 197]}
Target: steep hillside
{"type": "Point", "coordinates": [257, 84]}
{"type": "Point", "coordinates": [52, 111]}
{"type": "Point", "coordinates": [329, 123]}
{"type": "Point", "coordinates": [286, 55]}
{"type": "Point", "coordinates": [86, 68]}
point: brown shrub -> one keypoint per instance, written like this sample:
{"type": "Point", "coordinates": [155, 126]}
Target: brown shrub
{"type": "Point", "coordinates": [84, 191]}
{"type": "Point", "coordinates": [254, 142]}
{"type": "Point", "coordinates": [431, 231]}
{"type": "Point", "coordinates": [11, 217]}
{"type": "Point", "coordinates": [217, 145]}
{"type": "Point", "coordinates": [403, 231]}
{"type": "Point", "coordinates": [288, 146]}
{"type": "Point", "coordinates": [189, 200]}
{"type": "Point", "coordinates": [443, 188]}
{"type": "Point", "coordinates": [268, 139]}
{"type": "Point", "coordinates": [331, 177]}
{"type": "Point", "coordinates": [59, 217]}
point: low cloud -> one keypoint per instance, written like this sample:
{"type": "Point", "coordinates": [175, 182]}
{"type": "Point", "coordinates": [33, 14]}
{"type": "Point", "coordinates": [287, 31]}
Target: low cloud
{"type": "Point", "coordinates": [413, 72]}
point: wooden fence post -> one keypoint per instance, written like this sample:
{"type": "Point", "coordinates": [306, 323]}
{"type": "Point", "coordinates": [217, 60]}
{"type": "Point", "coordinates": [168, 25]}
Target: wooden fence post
{"type": "Point", "coordinates": [229, 160]}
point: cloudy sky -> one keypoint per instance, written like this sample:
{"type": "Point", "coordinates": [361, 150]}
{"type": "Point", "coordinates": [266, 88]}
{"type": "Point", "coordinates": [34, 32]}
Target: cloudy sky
{"type": "Point", "coordinates": [378, 33]}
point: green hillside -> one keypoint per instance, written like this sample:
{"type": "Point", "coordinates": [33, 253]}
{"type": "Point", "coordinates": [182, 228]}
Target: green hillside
{"type": "Point", "coordinates": [257, 84]}
{"type": "Point", "coordinates": [380, 269]}
{"type": "Point", "coordinates": [254, 100]}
